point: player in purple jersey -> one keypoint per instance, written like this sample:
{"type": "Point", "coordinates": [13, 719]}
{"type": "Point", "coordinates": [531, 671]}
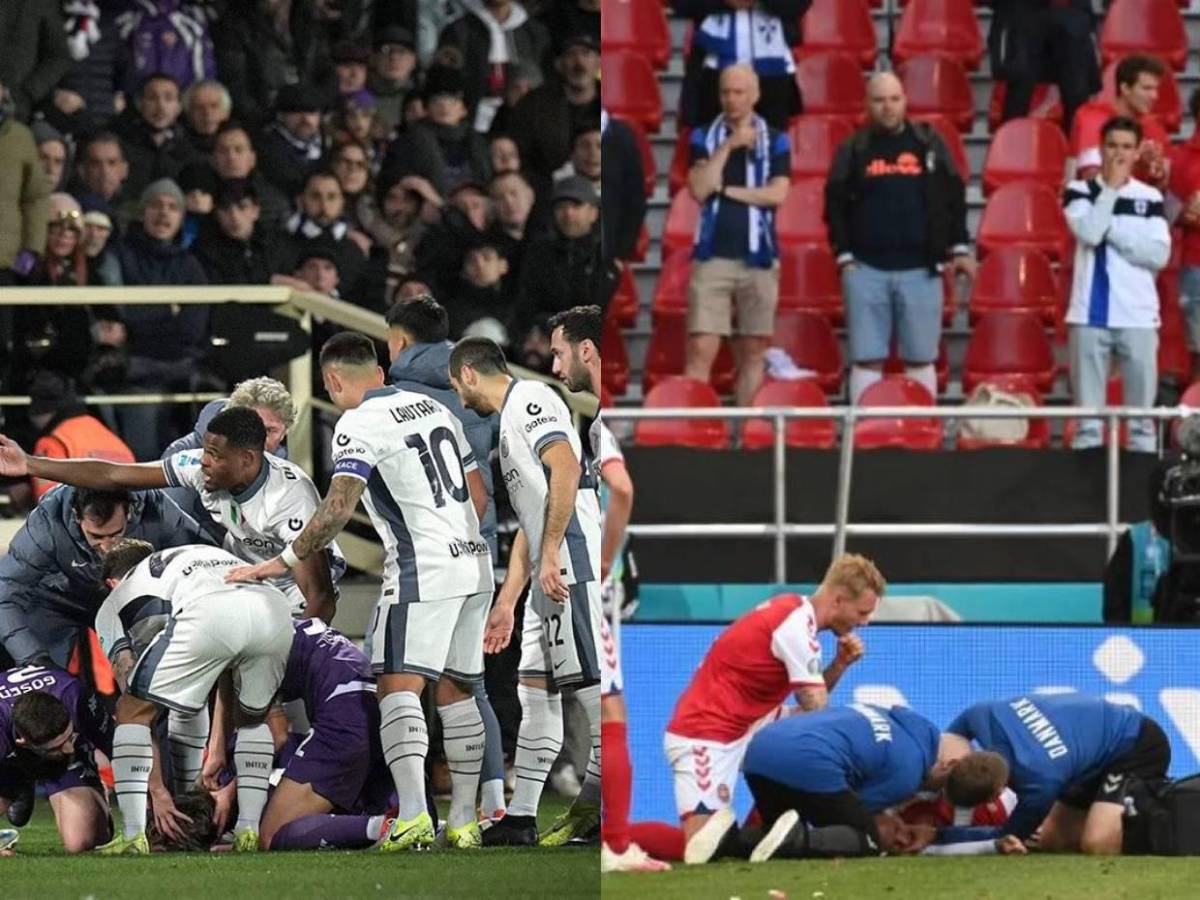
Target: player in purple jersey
{"type": "Point", "coordinates": [50, 724]}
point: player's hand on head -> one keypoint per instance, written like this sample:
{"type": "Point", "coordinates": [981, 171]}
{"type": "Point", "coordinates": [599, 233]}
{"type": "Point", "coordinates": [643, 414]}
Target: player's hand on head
{"type": "Point", "coordinates": [223, 805]}
{"type": "Point", "coordinates": [1010, 845]}
{"type": "Point", "coordinates": [550, 577]}
{"type": "Point", "coordinates": [13, 462]}
{"type": "Point", "coordinates": [499, 628]}
{"type": "Point", "coordinates": [167, 817]}
{"type": "Point", "coordinates": [850, 649]}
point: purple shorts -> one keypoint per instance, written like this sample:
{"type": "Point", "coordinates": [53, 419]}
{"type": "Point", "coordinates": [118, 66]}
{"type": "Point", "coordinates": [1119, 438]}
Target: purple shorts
{"type": "Point", "coordinates": [81, 772]}
{"type": "Point", "coordinates": [341, 754]}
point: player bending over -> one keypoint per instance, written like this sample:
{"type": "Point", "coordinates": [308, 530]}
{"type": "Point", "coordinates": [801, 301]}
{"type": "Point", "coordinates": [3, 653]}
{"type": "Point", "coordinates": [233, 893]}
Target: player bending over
{"type": "Point", "coordinates": [173, 627]}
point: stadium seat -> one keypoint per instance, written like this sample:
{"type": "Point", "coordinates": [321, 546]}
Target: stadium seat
{"type": "Point", "coordinates": [625, 302]}
{"type": "Point", "coordinates": [1191, 398]}
{"type": "Point", "coordinates": [908, 434]}
{"type": "Point", "coordinates": [1168, 109]}
{"type": "Point", "coordinates": [679, 232]}
{"type": "Point", "coordinates": [946, 28]}
{"type": "Point", "coordinates": [638, 26]}
{"type": "Point", "coordinates": [649, 165]}
{"type": "Point", "coordinates": [1144, 26]}
{"type": "Point", "coordinates": [667, 352]}
{"type": "Point", "coordinates": [1032, 149]}
{"type": "Point", "coordinates": [1009, 343]}
{"type": "Point", "coordinates": [809, 340]}
{"type": "Point", "coordinates": [1025, 214]}
{"type": "Point", "coordinates": [801, 219]}
{"type": "Point", "coordinates": [678, 392]}
{"type": "Point", "coordinates": [1045, 104]}
{"type": "Point", "coordinates": [1038, 436]}
{"type": "Point", "coordinates": [938, 86]}
{"type": "Point", "coordinates": [630, 89]}
{"type": "Point", "coordinates": [1174, 358]}
{"type": "Point", "coordinates": [839, 26]}
{"type": "Point", "coordinates": [814, 141]}
{"type": "Point", "coordinates": [1016, 279]}
{"type": "Point", "coordinates": [670, 292]}
{"type": "Point", "coordinates": [894, 365]}
{"type": "Point", "coordinates": [815, 434]}
{"type": "Point", "coordinates": [832, 85]}
{"type": "Point", "coordinates": [954, 142]}
{"type": "Point", "coordinates": [681, 161]}
{"type": "Point", "coordinates": [809, 281]}
{"type": "Point", "coordinates": [615, 371]}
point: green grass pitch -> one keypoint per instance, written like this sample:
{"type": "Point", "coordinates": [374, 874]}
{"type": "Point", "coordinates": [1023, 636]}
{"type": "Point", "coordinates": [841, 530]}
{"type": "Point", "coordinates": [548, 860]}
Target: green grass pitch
{"type": "Point", "coordinates": [41, 870]}
{"type": "Point", "coordinates": [963, 878]}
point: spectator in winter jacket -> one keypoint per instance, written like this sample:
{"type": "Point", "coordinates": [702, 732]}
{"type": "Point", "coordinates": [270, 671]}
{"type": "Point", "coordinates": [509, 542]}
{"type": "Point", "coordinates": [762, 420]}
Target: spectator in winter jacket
{"type": "Point", "coordinates": [623, 192]}
{"type": "Point", "coordinates": [234, 248]}
{"type": "Point", "coordinates": [101, 173]}
{"type": "Point", "coordinates": [481, 291]}
{"type": "Point", "coordinates": [151, 135]}
{"type": "Point", "coordinates": [23, 193]}
{"type": "Point", "coordinates": [392, 76]}
{"type": "Point", "coordinates": [52, 153]}
{"type": "Point", "coordinates": [170, 37]}
{"type": "Point", "coordinates": [34, 55]}
{"type": "Point", "coordinates": [322, 218]}
{"type": "Point", "coordinates": [489, 36]}
{"type": "Point", "coordinates": [291, 145]}
{"type": "Point", "coordinates": [350, 62]}
{"type": "Point", "coordinates": [234, 158]}
{"type": "Point", "coordinates": [206, 106]}
{"type": "Point", "coordinates": [396, 219]}
{"type": "Point", "coordinates": [466, 217]}
{"type": "Point", "coordinates": [85, 99]}
{"type": "Point", "coordinates": [515, 223]}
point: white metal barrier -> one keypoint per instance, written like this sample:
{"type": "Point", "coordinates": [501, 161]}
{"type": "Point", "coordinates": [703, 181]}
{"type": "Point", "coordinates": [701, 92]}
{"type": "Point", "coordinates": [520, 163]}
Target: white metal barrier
{"type": "Point", "coordinates": [779, 529]}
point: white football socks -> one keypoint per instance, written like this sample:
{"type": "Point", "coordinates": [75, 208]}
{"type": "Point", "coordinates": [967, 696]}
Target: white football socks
{"type": "Point", "coordinates": [589, 698]}
{"type": "Point", "coordinates": [862, 378]}
{"type": "Point", "coordinates": [186, 738]}
{"type": "Point", "coordinates": [405, 740]}
{"type": "Point", "coordinates": [131, 761]}
{"type": "Point", "coordinates": [462, 735]}
{"type": "Point", "coordinates": [253, 756]}
{"type": "Point", "coordinates": [538, 744]}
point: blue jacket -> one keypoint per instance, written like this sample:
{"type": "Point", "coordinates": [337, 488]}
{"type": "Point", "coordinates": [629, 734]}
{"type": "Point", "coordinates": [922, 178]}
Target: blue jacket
{"type": "Point", "coordinates": [50, 565]}
{"type": "Point", "coordinates": [425, 368]}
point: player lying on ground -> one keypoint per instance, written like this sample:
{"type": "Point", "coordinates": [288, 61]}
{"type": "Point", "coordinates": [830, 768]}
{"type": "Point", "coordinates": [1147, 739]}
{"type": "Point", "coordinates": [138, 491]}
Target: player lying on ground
{"type": "Point", "coordinates": [405, 455]}
{"type": "Point", "coordinates": [173, 627]}
{"type": "Point", "coordinates": [575, 337]}
{"type": "Point", "coordinates": [750, 670]}
{"type": "Point", "coordinates": [1068, 758]}
{"type": "Point", "coordinates": [553, 492]}
{"type": "Point", "coordinates": [50, 724]}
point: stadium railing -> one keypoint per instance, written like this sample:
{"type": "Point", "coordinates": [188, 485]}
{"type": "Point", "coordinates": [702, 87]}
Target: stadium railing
{"type": "Point", "coordinates": [302, 306]}
{"type": "Point", "coordinates": [779, 529]}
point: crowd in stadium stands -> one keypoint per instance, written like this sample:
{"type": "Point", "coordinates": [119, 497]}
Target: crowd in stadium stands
{"type": "Point", "coordinates": [365, 150]}
{"type": "Point", "coordinates": [842, 197]}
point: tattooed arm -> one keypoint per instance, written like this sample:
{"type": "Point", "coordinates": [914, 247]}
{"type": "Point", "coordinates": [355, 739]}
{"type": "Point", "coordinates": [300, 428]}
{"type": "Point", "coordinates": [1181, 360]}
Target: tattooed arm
{"type": "Point", "coordinates": [331, 516]}
{"type": "Point", "coordinates": [122, 665]}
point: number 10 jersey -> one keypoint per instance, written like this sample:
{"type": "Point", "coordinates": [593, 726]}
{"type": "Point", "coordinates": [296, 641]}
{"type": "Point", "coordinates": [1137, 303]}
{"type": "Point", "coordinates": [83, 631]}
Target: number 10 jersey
{"type": "Point", "coordinates": [412, 453]}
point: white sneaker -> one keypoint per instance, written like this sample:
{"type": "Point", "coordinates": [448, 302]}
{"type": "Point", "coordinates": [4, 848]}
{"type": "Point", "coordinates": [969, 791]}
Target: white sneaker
{"type": "Point", "coordinates": [634, 859]}
{"type": "Point", "coordinates": [772, 840]}
{"type": "Point", "coordinates": [704, 843]}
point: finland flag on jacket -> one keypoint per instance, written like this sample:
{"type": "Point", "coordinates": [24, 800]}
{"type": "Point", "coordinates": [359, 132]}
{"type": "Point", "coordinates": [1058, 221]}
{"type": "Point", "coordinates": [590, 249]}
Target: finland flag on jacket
{"type": "Point", "coordinates": [1122, 239]}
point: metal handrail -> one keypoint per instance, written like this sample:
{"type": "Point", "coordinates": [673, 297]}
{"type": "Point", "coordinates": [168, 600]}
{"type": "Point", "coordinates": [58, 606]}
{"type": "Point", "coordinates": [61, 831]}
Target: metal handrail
{"type": "Point", "coordinates": [841, 528]}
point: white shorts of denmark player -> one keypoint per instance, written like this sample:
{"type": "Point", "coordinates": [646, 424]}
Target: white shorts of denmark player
{"type": "Point", "coordinates": [561, 641]}
{"type": "Point", "coordinates": [245, 628]}
{"type": "Point", "coordinates": [431, 638]}
{"type": "Point", "coordinates": [611, 681]}
{"type": "Point", "coordinates": [706, 772]}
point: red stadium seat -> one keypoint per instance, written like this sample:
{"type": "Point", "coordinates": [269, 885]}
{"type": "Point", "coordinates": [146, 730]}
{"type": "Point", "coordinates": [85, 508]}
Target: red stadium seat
{"type": "Point", "coordinates": [940, 27]}
{"type": "Point", "coordinates": [1045, 104]}
{"type": "Point", "coordinates": [1025, 214]}
{"type": "Point", "coordinates": [816, 434]}
{"type": "Point", "coordinates": [1016, 279]}
{"type": "Point", "coordinates": [615, 371]}
{"type": "Point", "coordinates": [809, 281]}
{"type": "Point", "coordinates": [809, 340]}
{"type": "Point", "coordinates": [649, 166]}
{"type": "Point", "coordinates": [954, 142]}
{"type": "Point", "coordinates": [894, 365]}
{"type": "Point", "coordinates": [1190, 398]}
{"type": "Point", "coordinates": [1168, 109]}
{"type": "Point", "coordinates": [1009, 343]}
{"type": "Point", "coordinates": [1174, 357]}
{"type": "Point", "coordinates": [681, 162]}
{"type": "Point", "coordinates": [679, 232]}
{"type": "Point", "coordinates": [832, 85]}
{"type": "Point", "coordinates": [938, 86]}
{"type": "Point", "coordinates": [801, 219]}
{"type": "Point", "coordinates": [625, 302]}
{"type": "Point", "coordinates": [667, 352]}
{"type": "Point", "coordinates": [1144, 26]}
{"type": "Point", "coordinates": [630, 89]}
{"type": "Point", "coordinates": [908, 434]}
{"type": "Point", "coordinates": [670, 293]}
{"type": "Point", "coordinates": [678, 392]}
{"type": "Point", "coordinates": [814, 141]}
{"type": "Point", "coordinates": [1031, 149]}
{"type": "Point", "coordinates": [1038, 436]}
{"type": "Point", "coordinates": [638, 26]}
{"type": "Point", "coordinates": [839, 26]}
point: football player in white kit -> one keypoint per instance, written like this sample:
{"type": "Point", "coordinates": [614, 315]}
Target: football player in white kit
{"type": "Point", "coordinates": [174, 614]}
{"type": "Point", "coordinates": [575, 337]}
{"type": "Point", "coordinates": [405, 456]}
{"type": "Point", "coordinates": [553, 492]}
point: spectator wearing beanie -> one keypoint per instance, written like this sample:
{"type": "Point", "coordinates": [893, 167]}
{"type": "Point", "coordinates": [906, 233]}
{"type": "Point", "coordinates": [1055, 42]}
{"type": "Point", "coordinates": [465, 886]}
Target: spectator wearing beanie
{"type": "Point", "coordinates": [357, 122]}
{"type": "Point", "coordinates": [234, 247]}
{"type": "Point", "coordinates": [291, 145]}
{"type": "Point", "coordinates": [350, 62]}
{"type": "Point", "coordinates": [153, 139]}
{"type": "Point", "coordinates": [103, 267]}
{"type": "Point", "coordinates": [392, 75]}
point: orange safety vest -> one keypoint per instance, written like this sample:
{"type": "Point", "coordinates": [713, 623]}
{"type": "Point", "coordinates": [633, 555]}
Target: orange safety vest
{"type": "Point", "coordinates": [80, 436]}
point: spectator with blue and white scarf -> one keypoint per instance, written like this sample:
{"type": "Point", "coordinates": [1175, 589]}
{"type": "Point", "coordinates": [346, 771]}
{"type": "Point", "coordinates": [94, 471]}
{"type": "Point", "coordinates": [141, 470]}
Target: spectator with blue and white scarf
{"type": "Point", "coordinates": [740, 175]}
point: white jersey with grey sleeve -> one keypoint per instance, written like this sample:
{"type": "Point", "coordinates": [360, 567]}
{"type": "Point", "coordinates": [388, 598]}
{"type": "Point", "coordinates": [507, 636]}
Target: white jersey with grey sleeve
{"type": "Point", "coordinates": [414, 457]}
{"type": "Point", "coordinates": [263, 519]}
{"type": "Point", "coordinates": [533, 418]}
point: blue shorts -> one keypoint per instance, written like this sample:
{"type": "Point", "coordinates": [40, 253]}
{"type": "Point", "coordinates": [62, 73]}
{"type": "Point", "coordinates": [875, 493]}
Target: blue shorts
{"type": "Point", "coordinates": [881, 305]}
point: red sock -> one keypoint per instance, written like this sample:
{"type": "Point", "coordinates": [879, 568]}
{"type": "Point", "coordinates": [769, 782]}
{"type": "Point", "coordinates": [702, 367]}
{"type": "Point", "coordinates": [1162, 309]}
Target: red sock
{"type": "Point", "coordinates": [660, 840]}
{"type": "Point", "coordinates": [617, 785]}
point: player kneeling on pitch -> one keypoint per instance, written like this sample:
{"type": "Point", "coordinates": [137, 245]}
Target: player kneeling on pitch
{"type": "Point", "coordinates": [50, 724]}
{"type": "Point", "coordinates": [1069, 758]}
{"type": "Point", "coordinates": [173, 619]}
